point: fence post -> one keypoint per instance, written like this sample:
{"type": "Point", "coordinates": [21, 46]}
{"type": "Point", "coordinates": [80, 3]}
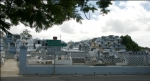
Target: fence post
{"type": "Point", "coordinates": [22, 59]}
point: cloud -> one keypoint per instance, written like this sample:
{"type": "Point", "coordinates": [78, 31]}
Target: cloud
{"type": "Point", "coordinates": [67, 27]}
{"type": "Point", "coordinates": [130, 17]}
{"type": "Point", "coordinates": [120, 26]}
{"type": "Point", "coordinates": [17, 29]}
{"type": "Point", "coordinates": [83, 32]}
{"type": "Point", "coordinates": [122, 3]}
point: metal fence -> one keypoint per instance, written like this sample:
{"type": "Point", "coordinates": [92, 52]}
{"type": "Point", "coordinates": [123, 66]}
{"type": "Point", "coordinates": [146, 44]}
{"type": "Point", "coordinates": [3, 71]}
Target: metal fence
{"type": "Point", "coordinates": [122, 59]}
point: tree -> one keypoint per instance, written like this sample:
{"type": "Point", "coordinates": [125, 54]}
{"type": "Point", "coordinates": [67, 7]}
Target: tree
{"type": "Point", "coordinates": [43, 14]}
{"type": "Point", "coordinates": [25, 34]}
{"type": "Point", "coordinates": [130, 44]}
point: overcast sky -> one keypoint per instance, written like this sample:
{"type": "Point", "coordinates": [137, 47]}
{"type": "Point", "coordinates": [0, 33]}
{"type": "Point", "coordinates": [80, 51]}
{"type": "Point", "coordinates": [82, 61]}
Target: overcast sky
{"type": "Point", "coordinates": [125, 17]}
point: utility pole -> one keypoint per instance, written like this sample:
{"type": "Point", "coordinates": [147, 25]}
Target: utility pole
{"type": "Point", "coordinates": [60, 37]}
{"type": "Point", "coordinates": [54, 60]}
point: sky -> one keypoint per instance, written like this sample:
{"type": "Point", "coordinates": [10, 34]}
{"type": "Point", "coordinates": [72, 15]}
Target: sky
{"type": "Point", "coordinates": [125, 18]}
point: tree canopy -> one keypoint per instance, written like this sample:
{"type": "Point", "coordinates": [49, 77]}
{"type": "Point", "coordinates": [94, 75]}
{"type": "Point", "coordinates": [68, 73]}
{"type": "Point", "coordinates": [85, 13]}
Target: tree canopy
{"type": "Point", "coordinates": [130, 44]}
{"type": "Point", "coordinates": [43, 14]}
{"type": "Point", "coordinates": [25, 34]}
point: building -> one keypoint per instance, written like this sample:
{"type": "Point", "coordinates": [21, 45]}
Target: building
{"type": "Point", "coordinates": [110, 43]}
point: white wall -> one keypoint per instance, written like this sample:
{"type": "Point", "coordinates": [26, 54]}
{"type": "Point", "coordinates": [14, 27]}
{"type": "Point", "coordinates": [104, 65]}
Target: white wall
{"type": "Point", "coordinates": [31, 61]}
{"type": "Point", "coordinates": [1, 48]}
{"type": "Point", "coordinates": [1, 40]}
{"type": "Point", "coordinates": [37, 45]}
{"type": "Point", "coordinates": [107, 50]}
{"type": "Point", "coordinates": [61, 62]}
{"type": "Point", "coordinates": [64, 62]}
{"type": "Point", "coordinates": [122, 50]}
{"type": "Point", "coordinates": [2, 53]}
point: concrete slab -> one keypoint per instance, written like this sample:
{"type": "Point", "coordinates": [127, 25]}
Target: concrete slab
{"type": "Point", "coordinates": [10, 68]}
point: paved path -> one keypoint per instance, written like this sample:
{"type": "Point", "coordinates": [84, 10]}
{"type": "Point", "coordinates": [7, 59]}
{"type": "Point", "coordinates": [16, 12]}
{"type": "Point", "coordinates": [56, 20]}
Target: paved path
{"type": "Point", "coordinates": [10, 68]}
{"type": "Point", "coordinates": [79, 78]}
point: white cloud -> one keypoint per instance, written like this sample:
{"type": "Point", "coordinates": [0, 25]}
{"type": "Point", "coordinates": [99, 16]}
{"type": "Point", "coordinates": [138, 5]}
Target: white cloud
{"type": "Point", "coordinates": [122, 3]}
{"type": "Point", "coordinates": [67, 27]}
{"type": "Point", "coordinates": [133, 19]}
{"type": "Point", "coordinates": [121, 27]}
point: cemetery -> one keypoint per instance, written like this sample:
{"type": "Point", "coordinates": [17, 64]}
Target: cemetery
{"type": "Point", "coordinates": [105, 55]}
